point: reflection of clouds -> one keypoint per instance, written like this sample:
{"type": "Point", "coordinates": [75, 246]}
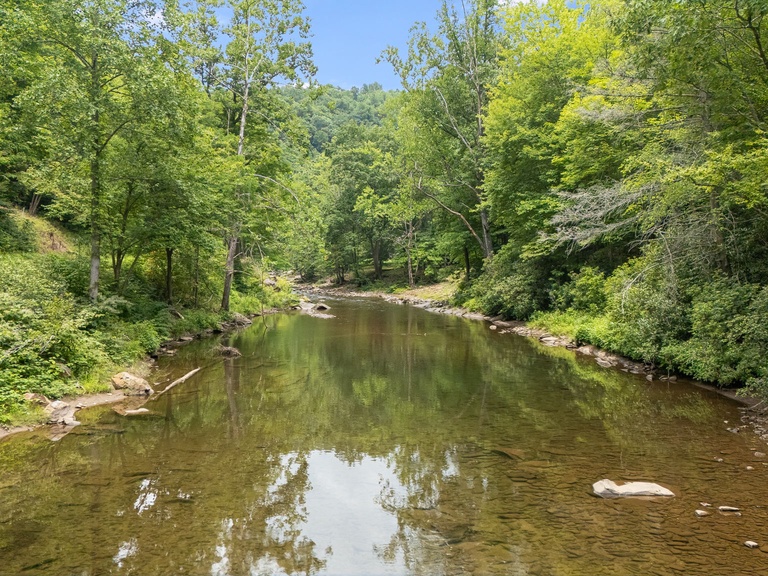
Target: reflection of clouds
{"type": "Point", "coordinates": [348, 509]}
{"type": "Point", "coordinates": [125, 550]}
{"type": "Point", "coordinates": [147, 496]}
{"type": "Point", "coordinates": [222, 566]}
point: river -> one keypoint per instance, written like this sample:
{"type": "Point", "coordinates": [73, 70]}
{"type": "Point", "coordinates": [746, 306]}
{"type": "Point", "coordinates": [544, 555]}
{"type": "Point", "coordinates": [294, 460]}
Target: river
{"type": "Point", "coordinates": [388, 440]}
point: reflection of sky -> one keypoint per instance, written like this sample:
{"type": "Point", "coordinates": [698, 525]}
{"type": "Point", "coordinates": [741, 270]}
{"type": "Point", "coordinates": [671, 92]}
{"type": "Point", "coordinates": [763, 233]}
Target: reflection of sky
{"type": "Point", "coordinates": [345, 514]}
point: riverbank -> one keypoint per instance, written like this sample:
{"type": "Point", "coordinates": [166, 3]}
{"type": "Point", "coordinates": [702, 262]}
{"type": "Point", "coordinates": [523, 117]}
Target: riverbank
{"type": "Point", "coordinates": [58, 415]}
{"type": "Point", "coordinates": [754, 410]}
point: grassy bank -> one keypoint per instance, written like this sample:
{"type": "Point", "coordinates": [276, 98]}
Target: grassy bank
{"type": "Point", "coordinates": [54, 342]}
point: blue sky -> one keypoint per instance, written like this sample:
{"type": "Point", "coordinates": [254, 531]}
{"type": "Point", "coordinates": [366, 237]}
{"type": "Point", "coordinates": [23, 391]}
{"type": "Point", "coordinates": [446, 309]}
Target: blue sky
{"type": "Point", "coordinates": [350, 34]}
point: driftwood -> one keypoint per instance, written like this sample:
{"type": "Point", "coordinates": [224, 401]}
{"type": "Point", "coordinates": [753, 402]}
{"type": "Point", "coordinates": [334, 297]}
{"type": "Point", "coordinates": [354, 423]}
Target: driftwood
{"type": "Point", "coordinates": [177, 382]}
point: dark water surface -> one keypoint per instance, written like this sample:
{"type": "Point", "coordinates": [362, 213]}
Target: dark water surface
{"type": "Point", "coordinates": [387, 440]}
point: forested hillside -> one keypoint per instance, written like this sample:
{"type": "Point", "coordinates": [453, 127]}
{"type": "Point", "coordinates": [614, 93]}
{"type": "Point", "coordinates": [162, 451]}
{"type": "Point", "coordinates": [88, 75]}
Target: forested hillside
{"type": "Point", "coordinates": [598, 168]}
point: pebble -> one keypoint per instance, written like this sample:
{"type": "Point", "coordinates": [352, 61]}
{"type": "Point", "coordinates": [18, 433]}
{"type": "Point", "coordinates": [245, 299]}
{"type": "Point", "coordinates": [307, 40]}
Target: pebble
{"type": "Point", "coordinates": [750, 468]}
{"type": "Point", "coordinates": [728, 509]}
{"type": "Point", "coordinates": [701, 513]}
{"type": "Point", "coordinates": [719, 460]}
{"type": "Point", "coordinates": [751, 544]}
{"type": "Point", "coordinates": [759, 454]}
{"type": "Point", "coordinates": [494, 327]}
{"type": "Point", "coordinates": [706, 504]}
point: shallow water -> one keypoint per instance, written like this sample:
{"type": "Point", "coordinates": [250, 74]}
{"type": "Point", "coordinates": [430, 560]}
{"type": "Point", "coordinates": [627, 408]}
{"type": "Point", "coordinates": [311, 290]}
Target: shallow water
{"type": "Point", "coordinates": [387, 440]}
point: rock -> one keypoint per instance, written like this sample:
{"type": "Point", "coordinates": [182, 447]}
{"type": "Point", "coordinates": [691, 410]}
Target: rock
{"type": "Point", "coordinates": [701, 513]}
{"type": "Point", "coordinates": [131, 385]}
{"type": "Point", "coordinates": [604, 363]}
{"type": "Point", "coordinates": [759, 455]}
{"type": "Point", "coordinates": [649, 377]}
{"type": "Point", "coordinates": [228, 351]}
{"type": "Point", "coordinates": [727, 509]}
{"type": "Point", "coordinates": [750, 468]}
{"type": "Point", "coordinates": [36, 399]}
{"type": "Point", "coordinates": [493, 327]}
{"type": "Point", "coordinates": [269, 282]}
{"type": "Point", "coordinates": [56, 410]}
{"type": "Point", "coordinates": [733, 430]}
{"type": "Point", "coordinates": [706, 504]}
{"type": "Point", "coordinates": [136, 412]}
{"type": "Point", "coordinates": [751, 544]}
{"type": "Point", "coordinates": [240, 320]}
{"type": "Point", "coordinates": [71, 422]}
{"type": "Point", "coordinates": [186, 339]}
{"type": "Point", "coordinates": [609, 489]}
{"type": "Point", "coordinates": [322, 307]}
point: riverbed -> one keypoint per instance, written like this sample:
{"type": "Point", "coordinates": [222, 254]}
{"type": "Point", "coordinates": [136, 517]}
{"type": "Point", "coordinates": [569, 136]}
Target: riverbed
{"type": "Point", "coordinates": [388, 440]}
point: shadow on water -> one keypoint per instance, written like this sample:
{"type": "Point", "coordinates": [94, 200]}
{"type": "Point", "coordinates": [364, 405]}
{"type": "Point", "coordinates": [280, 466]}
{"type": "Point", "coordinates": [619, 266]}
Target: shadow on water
{"type": "Point", "coordinates": [387, 440]}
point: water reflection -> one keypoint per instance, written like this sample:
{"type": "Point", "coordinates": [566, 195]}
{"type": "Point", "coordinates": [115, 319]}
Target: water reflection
{"type": "Point", "coordinates": [386, 441]}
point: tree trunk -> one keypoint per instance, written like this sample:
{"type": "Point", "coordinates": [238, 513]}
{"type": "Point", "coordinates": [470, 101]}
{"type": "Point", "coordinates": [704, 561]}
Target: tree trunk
{"type": "Point", "coordinates": [229, 272]}
{"type": "Point", "coordinates": [196, 285]}
{"type": "Point", "coordinates": [95, 169]}
{"type": "Point", "coordinates": [376, 257]}
{"type": "Point", "coordinates": [93, 284]}
{"type": "Point", "coordinates": [34, 204]}
{"type": "Point", "coordinates": [169, 275]}
{"type": "Point", "coordinates": [467, 267]}
{"type": "Point", "coordinates": [487, 243]}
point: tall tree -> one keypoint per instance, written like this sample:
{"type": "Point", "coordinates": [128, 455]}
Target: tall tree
{"type": "Point", "coordinates": [268, 43]}
{"type": "Point", "coordinates": [103, 70]}
{"type": "Point", "coordinates": [447, 76]}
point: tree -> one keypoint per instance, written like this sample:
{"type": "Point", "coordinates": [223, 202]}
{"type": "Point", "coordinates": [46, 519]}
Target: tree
{"type": "Point", "coordinates": [447, 77]}
{"type": "Point", "coordinates": [102, 71]}
{"type": "Point", "coordinates": [267, 44]}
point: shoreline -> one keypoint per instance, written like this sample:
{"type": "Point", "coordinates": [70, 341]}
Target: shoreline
{"type": "Point", "coordinates": [62, 419]}
{"type": "Point", "coordinates": [603, 358]}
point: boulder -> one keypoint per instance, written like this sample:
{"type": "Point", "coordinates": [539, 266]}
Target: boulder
{"type": "Point", "coordinates": [36, 399]}
{"type": "Point", "coordinates": [609, 489]}
{"type": "Point", "coordinates": [57, 411]}
{"type": "Point", "coordinates": [131, 385]}
{"type": "Point", "coordinates": [240, 320]}
{"type": "Point", "coordinates": [322, 307]}
{"type": "Point", "coordinates": [228, 351]}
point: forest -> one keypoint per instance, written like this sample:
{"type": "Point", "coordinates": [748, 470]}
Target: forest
{"type": "Point", "coordinates": [596, 168]}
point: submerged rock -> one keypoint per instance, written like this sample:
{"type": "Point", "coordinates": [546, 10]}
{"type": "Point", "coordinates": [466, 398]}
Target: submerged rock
{"type": "Point", "coordinates": [609, 489]}
{"type": "Point", "coordinates": [131, 385]}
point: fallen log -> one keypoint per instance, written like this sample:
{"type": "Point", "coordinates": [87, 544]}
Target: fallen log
{"type": "Point", "coordinates": [176, 382]}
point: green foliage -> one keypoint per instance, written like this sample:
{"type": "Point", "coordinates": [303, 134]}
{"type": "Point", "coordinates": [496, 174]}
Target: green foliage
{"type": "Point", "coordinates": [45, 346]}
{"type": "Point", "coordinates": [585, 292]}
{"type": "Point", "coordinates": [16, 234]}
{"type": "Point", "coordinates": [729, 334]}
{"type": "Point", "coordinates": [510, 287]}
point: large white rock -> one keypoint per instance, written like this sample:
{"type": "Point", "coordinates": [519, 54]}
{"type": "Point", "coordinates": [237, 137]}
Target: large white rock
{"type": "Point", "coordinates": [131, 385]}
{"type": "Point", "coordinates": [609, 489]}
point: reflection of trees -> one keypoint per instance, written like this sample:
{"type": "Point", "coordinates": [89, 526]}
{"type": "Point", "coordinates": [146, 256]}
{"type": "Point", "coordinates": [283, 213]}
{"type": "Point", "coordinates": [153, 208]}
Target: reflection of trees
{"type": "Point", "coordinates": [223, 462]}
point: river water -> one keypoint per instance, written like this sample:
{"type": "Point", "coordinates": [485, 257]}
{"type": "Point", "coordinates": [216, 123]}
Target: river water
{"type": "Point", "coordinates": [388, 440]}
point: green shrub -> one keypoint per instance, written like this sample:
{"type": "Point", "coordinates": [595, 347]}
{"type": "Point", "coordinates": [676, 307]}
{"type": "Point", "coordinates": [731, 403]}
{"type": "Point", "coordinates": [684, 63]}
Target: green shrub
{"type": "Point", "coordinates": [729, 334]}
{"type": "Point", "coordinates": [585, 292]}
{"type": "Point", "coordinates": [647, 312]}
{"type": "Point", "coordinates": [509, 287]}
{"type": "Point", "coordinates": [17, 234]}
{"type": "Point", "coordinates": [195, 322]}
